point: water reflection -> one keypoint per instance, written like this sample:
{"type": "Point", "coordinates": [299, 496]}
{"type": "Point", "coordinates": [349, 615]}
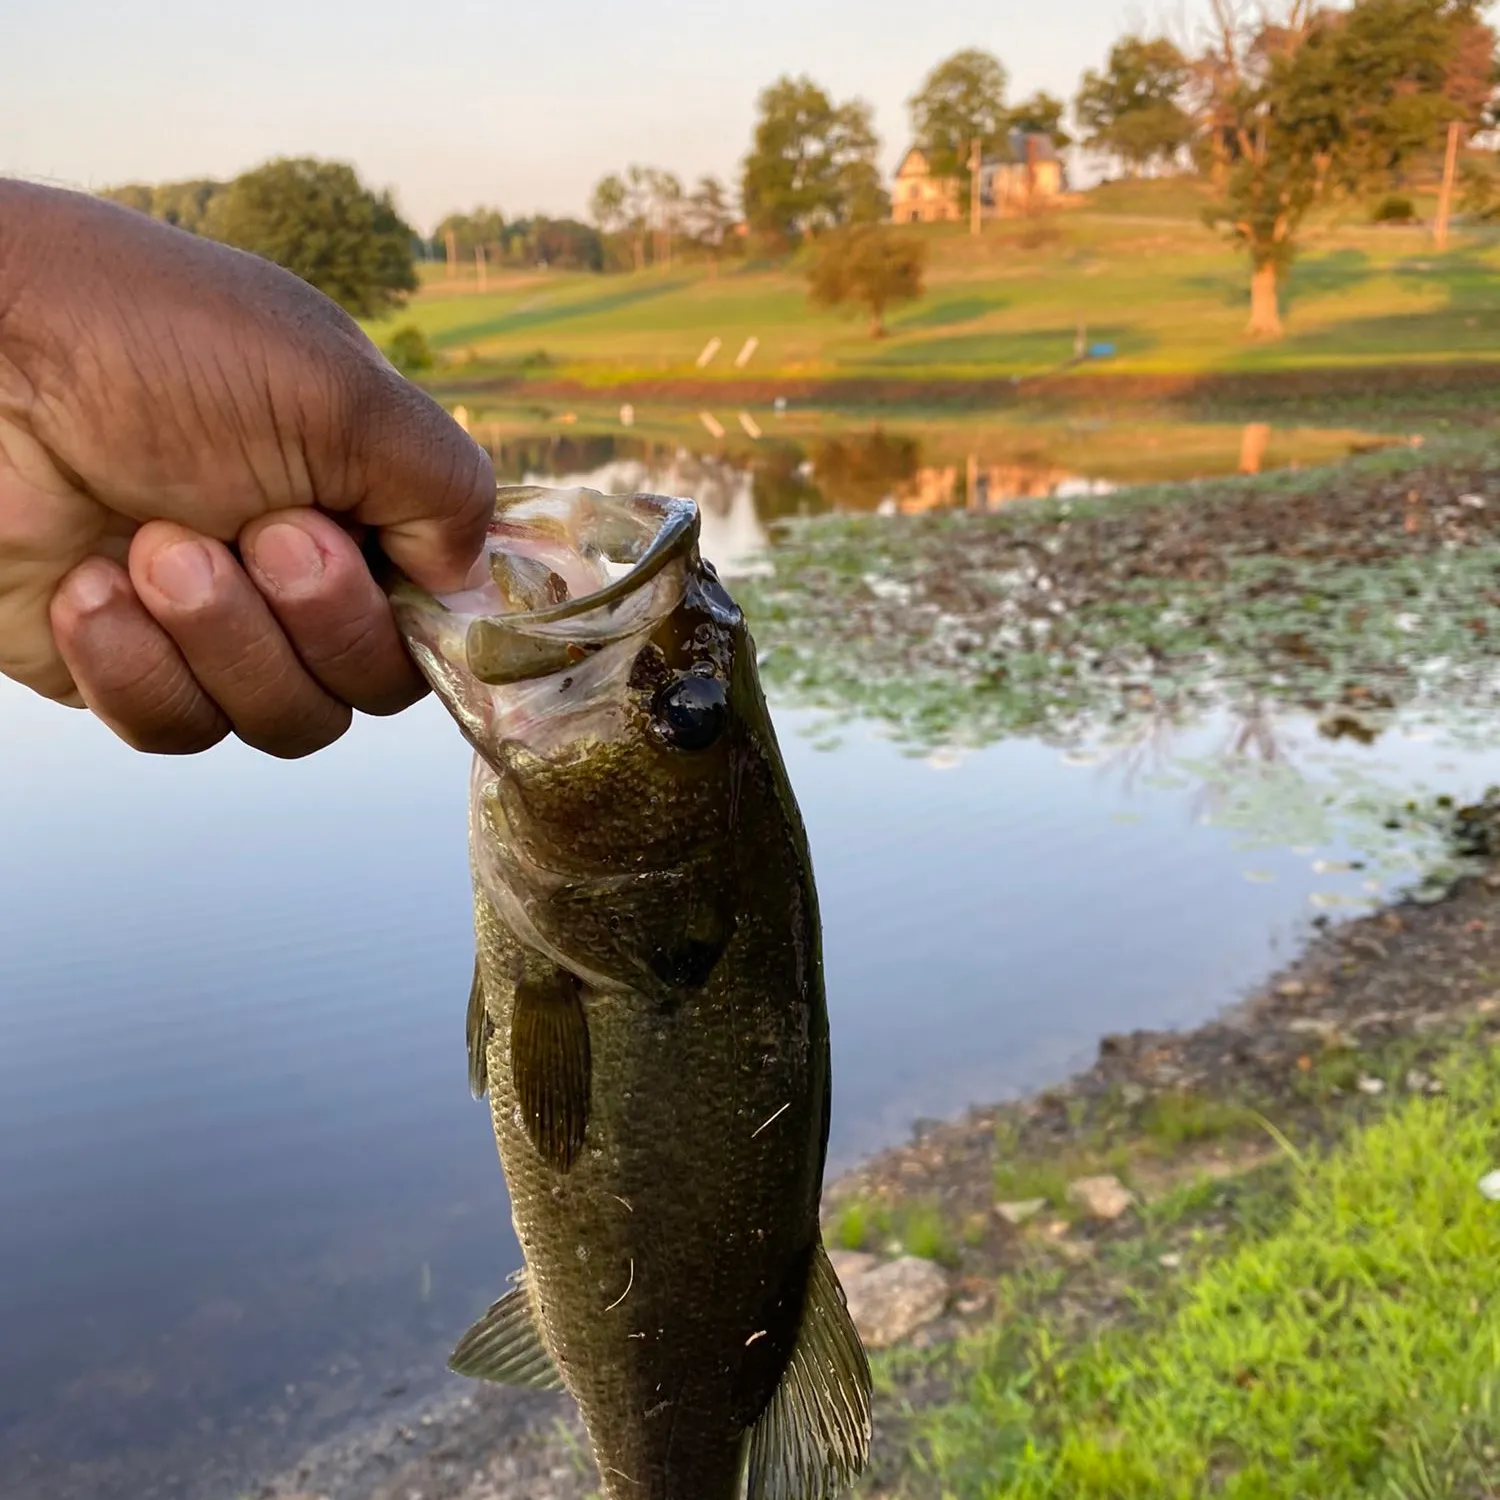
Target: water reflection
{"type": "Point", "coordinates": [741, 496]}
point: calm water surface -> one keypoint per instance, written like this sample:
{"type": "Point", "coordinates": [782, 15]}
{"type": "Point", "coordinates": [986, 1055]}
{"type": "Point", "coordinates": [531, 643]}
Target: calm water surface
{"type": "Point", "coordinates": [245, 1197]}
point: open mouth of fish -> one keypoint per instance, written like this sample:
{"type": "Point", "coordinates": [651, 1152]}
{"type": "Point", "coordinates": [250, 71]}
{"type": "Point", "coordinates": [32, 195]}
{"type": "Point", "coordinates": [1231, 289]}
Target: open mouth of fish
{"type": "Point", "coordinates": [571, 582]}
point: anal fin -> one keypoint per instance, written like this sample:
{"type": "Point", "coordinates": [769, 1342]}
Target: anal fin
{"type": "Point", "coordinates": [813, 1438]}
{"type": "Point", "coordinates": [477, 1028]}
{"type": "Point", "coordinates": [549, 1059]}
{"type": "Point", "coordinates": [506, 1346]}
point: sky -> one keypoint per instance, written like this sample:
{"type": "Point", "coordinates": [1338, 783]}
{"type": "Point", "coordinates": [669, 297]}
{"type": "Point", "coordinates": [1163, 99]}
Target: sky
{"type": "Point", "coordinates": [456, 103]}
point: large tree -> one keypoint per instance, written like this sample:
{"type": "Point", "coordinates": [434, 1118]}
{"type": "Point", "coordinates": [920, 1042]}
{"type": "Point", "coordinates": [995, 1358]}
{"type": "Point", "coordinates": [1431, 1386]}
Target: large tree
{"type": "Point", "coordinates": [962, 100]}
{"type": "Point", "coordinates": [869, 266]}
{"type": "Point", "coordinates": [1310, 102]}
{"type": "Point", "coordinates": [319, 220]}
{"type": "Point", "coordinates": [1133, 109]}
{"type": "Point", "coordinates": [811, 163]}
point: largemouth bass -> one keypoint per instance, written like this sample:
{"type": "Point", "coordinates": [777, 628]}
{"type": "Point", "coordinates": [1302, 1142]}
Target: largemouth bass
{"type": "Point", "coordinates": [647, 1015]}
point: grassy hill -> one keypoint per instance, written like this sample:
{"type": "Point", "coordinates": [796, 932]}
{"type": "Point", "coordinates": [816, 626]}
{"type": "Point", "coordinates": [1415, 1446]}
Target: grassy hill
{"type": "Point", "coordinates": [1131, 263]}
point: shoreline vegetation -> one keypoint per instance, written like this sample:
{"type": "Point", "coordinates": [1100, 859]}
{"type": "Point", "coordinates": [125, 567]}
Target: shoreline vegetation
{"type": "Point", "coordinates": [1252, 1258]}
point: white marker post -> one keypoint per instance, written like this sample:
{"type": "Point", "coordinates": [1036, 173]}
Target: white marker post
{"type": "Point", "coordinates": [710, 349]}
{"type": "Point", "coordinates": [752, 428]}
{"type": "Point", "coordinates": [742, 359]}
{"type": "Point", "coordinates": [712, 423]}
{"type": "Point", "coordinates": [627, 415]}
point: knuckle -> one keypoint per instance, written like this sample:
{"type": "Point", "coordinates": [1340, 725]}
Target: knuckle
{"type": "Point", "coordinates": [298, 735]}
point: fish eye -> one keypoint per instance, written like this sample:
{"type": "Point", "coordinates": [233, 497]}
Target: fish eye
{"type": "Point", "coordinates": [690, 713]}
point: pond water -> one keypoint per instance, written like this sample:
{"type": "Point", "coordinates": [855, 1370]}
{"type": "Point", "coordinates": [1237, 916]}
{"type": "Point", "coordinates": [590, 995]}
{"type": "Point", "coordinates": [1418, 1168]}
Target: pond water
{"type": "Point", "coordinates": [245, 1198]}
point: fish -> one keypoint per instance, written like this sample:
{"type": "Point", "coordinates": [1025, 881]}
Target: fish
{"type": "Point", "coordinates": [647, 1015]}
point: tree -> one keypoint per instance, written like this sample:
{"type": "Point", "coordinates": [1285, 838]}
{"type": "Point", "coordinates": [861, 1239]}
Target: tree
{"type": "Point", "coordinates": [318, 220]}
{"type": "Point", "coordinates": [709, 215]}
{"type": "Point", "coordinates": [867, 265]}
{"type": "Point", "coordinates": [1310, 102]}
{"type": "Point", "coordinates": [960, 101]}
{"type": "Point", "coordinates": [409, 350]}
{"type": "Point", "coordinates": [1133, 108]}
{"type": "Point", "coordinates": [811, 163]}
{"type": "Point", "coordinates": [607, 205]}
{"type": "Point", "coordinates": [484, 229]}
{"type": "Point", "coordinates": [1041, 114]}
{"type": "Point", "coordinates": [664, 208]}
{"type": "Point", "coordinates": [183, 204]}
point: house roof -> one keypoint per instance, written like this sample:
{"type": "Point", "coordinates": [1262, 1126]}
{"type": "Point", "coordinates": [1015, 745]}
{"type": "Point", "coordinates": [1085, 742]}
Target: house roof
{"type": "Point", "coordinates": [915, 159]}
{"type": "Point", "coordinates": [1016, 143]}
{"type": "Point", "coordinates": [920, 162]}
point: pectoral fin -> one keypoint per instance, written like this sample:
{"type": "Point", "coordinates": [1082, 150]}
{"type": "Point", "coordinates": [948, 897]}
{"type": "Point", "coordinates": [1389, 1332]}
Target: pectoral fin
{"type": "Point", "coordinates": [813, 1439]}
{"type": "Point", "coordinates": [506, 1346]}
{"type": "Point", "coordinates": [549, 1059]}
{"type": "Point", "coordinates": [477, 1027]}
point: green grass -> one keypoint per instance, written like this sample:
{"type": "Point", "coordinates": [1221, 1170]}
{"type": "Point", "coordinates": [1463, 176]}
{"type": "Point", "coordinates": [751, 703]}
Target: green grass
{"type": "Point", "coordinates": [1348, 1346]}
{"type": "Point", "coordinates": [1176, 1119]}
{"type": "Point", "coordinates": [916, 1228]}
{"type": "Point", "coordinates": [1132, 264]}
{"type": "Point", "coordinates": [1022, 1176]}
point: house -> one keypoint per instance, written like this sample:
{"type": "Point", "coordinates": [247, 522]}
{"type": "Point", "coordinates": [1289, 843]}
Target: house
{"type": "Point", "coordinates": [1030, 170]}
{"type": "Point", "coordinates": [1033, 173]}
{"type": "Point", "coordinates": [920, 197]}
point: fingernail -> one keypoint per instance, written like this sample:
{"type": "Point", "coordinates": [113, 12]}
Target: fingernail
{"type": "Point", "coordinates": [288, 557]}
{"type": "Point", "coordinates": [184, 572]}
{"type": "Point", "coordinates": [90, 589]}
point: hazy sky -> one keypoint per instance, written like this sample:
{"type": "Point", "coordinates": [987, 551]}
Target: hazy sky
{"type": "Point", "coordinates": [462, 102]}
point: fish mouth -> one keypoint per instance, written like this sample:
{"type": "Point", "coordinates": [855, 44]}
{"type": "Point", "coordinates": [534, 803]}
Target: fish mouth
{"type": "Point", "coordinates": [566, 578]}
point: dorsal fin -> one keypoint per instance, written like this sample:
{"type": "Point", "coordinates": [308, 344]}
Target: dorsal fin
{"type": "Point", "coordinates": [813, 1439]}
{"type": "Point", "coordinates": [506, 1346]}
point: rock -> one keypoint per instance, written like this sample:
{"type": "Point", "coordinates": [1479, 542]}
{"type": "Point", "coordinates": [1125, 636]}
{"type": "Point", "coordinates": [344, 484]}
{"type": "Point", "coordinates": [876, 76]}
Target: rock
{"type": "Point", "coordinates": [851, 1264]}
{"type": "Point", "coordinates": [1018, 1213]}
{"type": "Point", "coordinates": [1371, 1085]}
{"type": "Point", "coordinates": [890, 1301]}
{"type": "Point", "coordinates": [1103, 1197]}
{"type": "Point", "coordinates": [1170, 1261]}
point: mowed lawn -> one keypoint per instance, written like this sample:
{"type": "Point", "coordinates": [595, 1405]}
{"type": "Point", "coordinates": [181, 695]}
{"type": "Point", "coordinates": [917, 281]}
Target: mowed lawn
{"type": "Point", "coordinates": [1166, 293]}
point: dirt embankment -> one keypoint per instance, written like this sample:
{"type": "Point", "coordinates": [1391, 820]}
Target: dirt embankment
{"type": "Point", "coordinates": [1067, 386]}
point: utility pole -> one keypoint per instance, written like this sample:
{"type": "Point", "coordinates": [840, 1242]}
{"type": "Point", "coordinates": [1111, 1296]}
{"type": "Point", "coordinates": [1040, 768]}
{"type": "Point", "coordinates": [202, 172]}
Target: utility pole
{"type": "Point", "coordinates": [974, 160]}
{"type": "Point", "coordinates": [1445, 197]}
{"type": "Point", "coordinates": [479, 266]}
{"type": "Point", "coordinates": [451, 241]}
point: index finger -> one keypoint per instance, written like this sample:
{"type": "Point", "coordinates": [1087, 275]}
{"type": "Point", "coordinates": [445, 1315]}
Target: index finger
{"type": "Point", "coordinates": [419, 478]}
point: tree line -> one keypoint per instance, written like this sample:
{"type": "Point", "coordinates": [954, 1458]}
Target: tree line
{"type": "Point", "coordinates": [1278, 108]}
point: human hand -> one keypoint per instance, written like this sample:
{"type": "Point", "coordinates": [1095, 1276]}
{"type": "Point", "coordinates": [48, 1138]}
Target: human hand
{"type": "Point", "coordinates": [192, 442]}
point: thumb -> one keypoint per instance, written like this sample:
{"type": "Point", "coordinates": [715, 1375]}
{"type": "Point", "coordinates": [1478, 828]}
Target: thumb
{"type": "Point", "coordinates": [420, 479]}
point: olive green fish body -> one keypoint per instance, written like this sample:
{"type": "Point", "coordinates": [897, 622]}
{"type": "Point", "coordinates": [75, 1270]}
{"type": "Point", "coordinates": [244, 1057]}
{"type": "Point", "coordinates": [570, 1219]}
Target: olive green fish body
{"type": "Point", "coordinates": [649, 1022]}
